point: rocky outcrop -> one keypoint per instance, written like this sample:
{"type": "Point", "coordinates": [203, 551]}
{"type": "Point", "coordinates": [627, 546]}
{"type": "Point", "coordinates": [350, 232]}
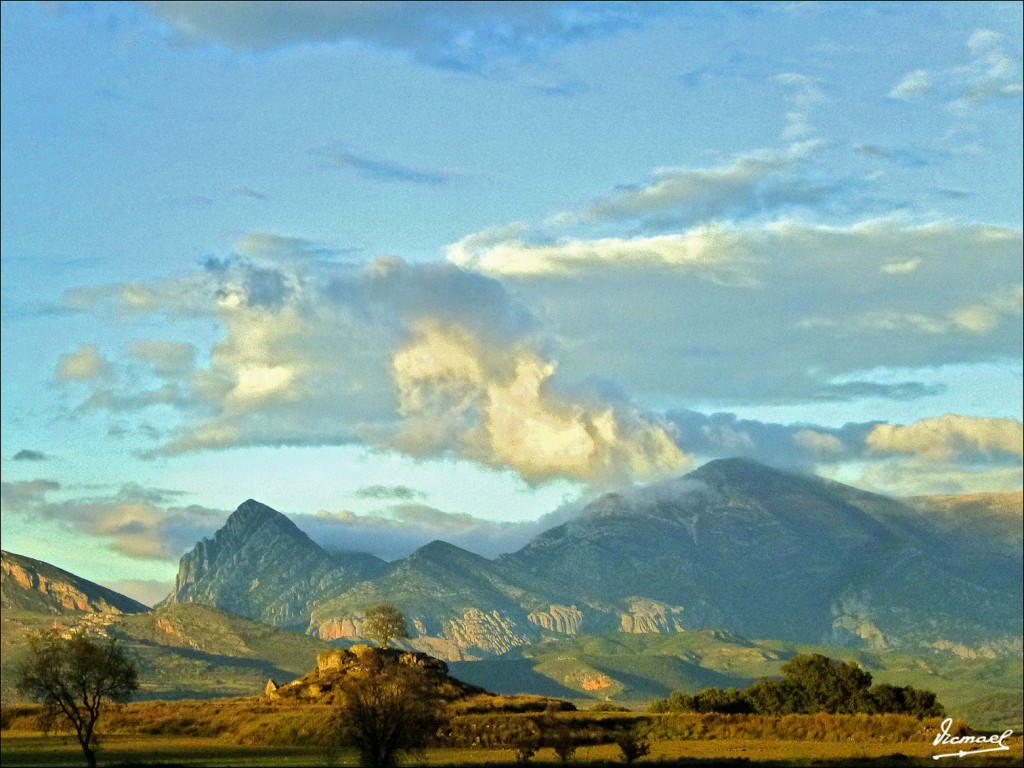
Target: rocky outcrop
{"type": "Point", "coordinates": [492, 631]}
{"type": "Point", "coordinates": [651, 617]}
{"type": "Point", "coordinates": [333, 668]}
{"type": "Point", "coordinates": [565, 620]}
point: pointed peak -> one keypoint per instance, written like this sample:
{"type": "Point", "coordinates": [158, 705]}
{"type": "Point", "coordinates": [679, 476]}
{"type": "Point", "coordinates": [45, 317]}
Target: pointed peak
{"type": "Point", "coordinates": [252, 515]}
{"type": "Point", "coordinates": [253, 508]}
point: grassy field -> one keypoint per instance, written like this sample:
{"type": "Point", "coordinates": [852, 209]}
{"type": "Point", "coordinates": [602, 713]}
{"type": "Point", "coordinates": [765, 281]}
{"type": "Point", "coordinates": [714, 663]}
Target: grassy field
{"type": "Point", "coordinates": [38, 750]}
{"type": "Point", "coordinates": [256, 732]}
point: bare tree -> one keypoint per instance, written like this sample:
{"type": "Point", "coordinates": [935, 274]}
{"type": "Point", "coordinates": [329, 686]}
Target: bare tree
{"type": "Point", "coordinates": [389, 709]}
{"type": "Point", "coordinates": [385, 623]}
{"type": "Point", "coordinates": [75, 678]}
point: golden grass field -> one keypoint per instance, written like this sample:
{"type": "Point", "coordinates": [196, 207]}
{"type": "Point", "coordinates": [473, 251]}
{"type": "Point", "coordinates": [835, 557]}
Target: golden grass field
{"type": "Point", "coordinates": [256, 732]}
{"type": "Point", "coordinates": [39, 750]}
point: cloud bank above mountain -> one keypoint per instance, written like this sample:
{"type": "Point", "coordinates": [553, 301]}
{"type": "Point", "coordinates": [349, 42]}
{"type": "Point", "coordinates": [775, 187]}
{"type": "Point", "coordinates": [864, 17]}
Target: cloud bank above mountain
{"type": "Point", "coordinates": [545, 350]}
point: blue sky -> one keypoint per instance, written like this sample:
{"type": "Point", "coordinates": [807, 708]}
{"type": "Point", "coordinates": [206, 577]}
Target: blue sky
{"type": "Point", "coordinates": [407, 271]}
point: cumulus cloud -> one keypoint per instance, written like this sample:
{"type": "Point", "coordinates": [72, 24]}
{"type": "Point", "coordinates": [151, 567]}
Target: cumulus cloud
{"type": "Point", "coordinates": [771, 313]}
{"type": "Point", "coordinates": [167, 358]}
{"type": "Point", "coordinates": [497, 407]}
{"type": "Point", "coordinates": [432, 359]}
{"type": "Point", "coordinates": [802, 447]}
{"type": "Point", "coordinates": [270, 245]}
{"type": "Point", "coordinates": [137, 522]}
{"type": "Point", "coordinates": [920, 477]}
{"type": "Point", "coordinates": [951, 436]}
{"type": "Point", "coordinates": [465, 35]}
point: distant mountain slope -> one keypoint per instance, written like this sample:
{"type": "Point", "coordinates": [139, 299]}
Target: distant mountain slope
{"type": "Point", "coordinates": [188, 651]}
{"type": "Point", "coordinates": [260, 565]}
{"type": "Point", "coordinates": [733, 545]}
{"type": "Point", "coordinates": [181, 651]}
{"type": "Point", "coordinates": [459, 603]}
{"type": "Point", "coordinates": [32, 585]}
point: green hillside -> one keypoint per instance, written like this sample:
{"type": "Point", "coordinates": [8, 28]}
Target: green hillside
{"type": "Point", "coordinates": [182, 651]}
{"type": "Point", "coordinates": [633, 669]}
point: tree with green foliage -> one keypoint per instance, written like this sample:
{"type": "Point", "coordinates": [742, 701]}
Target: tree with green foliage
{"type": "Point", "coordinates": [730, 701]}
{"type": "Point", "coordinates": [810, 683]}
{"type": "Point", "coordinates": [829, 685]}
{"type": "Point", "coordinates": [389, 709]}
{"type": "Point", "coordinates": [892, 699]}
{"type": "Point", "coordinates": [775, 697]}
{"type": "Point", "coordinates": [384, 623]}
{"type": "Point", "coordinates": [75, 678]}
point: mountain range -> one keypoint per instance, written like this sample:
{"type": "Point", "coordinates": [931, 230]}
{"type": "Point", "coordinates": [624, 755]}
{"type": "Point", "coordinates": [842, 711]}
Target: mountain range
{"type": "Point", "coordinates": [734, 545]}
{"type": "Point", "coordinates": [647, 591]}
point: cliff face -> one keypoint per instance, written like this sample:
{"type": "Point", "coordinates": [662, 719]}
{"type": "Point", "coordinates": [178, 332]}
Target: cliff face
{"type": "Point", "coordinates": [39, 587]}
{"type": "Point", "coordinates": [260, 565]}
{"type": "Point", "coordinates": [562, 619]}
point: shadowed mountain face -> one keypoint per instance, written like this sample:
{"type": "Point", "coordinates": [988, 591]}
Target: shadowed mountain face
{"type": "Point", "coordinates": [261, 566]}
{"type": "Point", "coordinates": [32, 585]}
{"type": "Point", "coordinates": [733, 545]}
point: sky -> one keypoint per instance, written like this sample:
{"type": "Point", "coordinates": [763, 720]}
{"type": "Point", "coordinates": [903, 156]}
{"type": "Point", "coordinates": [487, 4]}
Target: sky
{"type": "Point", "coordinates": [407, 271]}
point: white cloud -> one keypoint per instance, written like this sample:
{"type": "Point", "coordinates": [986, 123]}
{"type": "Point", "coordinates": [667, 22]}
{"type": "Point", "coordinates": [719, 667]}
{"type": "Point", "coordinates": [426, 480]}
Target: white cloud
{"type": "Point", "coordinates": [167, 358]}
{"type": "Point", "coordinates": [805, 93]}
{"type": "Point", "coordinates": [914, 85]}
{"type": "Point", "coordinates": [712, 253]}
{"type": "Point", "coordinates": [765, 313]}
{"type": "Point", "coordinates": [993, 73]}
{"type": "Point", "coordinates": [496, 406]}
{"type": "Point", "coordinates": [431, 358]}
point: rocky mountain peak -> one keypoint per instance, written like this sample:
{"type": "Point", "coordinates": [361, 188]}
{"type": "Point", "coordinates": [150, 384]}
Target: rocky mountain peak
{"type": "Point", "coordinates": [252, 516]}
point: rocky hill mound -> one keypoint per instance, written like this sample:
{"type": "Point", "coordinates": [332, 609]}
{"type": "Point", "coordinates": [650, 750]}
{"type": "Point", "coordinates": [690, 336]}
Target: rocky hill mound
{"type": "Point", "coordinates": [338, 667]}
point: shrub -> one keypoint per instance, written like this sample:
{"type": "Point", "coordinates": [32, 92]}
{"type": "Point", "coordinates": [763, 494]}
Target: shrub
{"type": "Point", "coordinates": [609, 706]}
{"type": "Point", "coordinates": [633, 746]}
{"type": "Point", "coordinates": [564, 743]}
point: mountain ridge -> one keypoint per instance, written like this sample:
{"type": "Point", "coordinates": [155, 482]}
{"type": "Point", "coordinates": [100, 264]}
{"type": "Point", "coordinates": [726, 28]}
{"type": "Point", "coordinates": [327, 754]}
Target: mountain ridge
{"type": "Point", "coordinates": [734, 544]}
{"type": "Point", "coordinates": [38, 586]}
